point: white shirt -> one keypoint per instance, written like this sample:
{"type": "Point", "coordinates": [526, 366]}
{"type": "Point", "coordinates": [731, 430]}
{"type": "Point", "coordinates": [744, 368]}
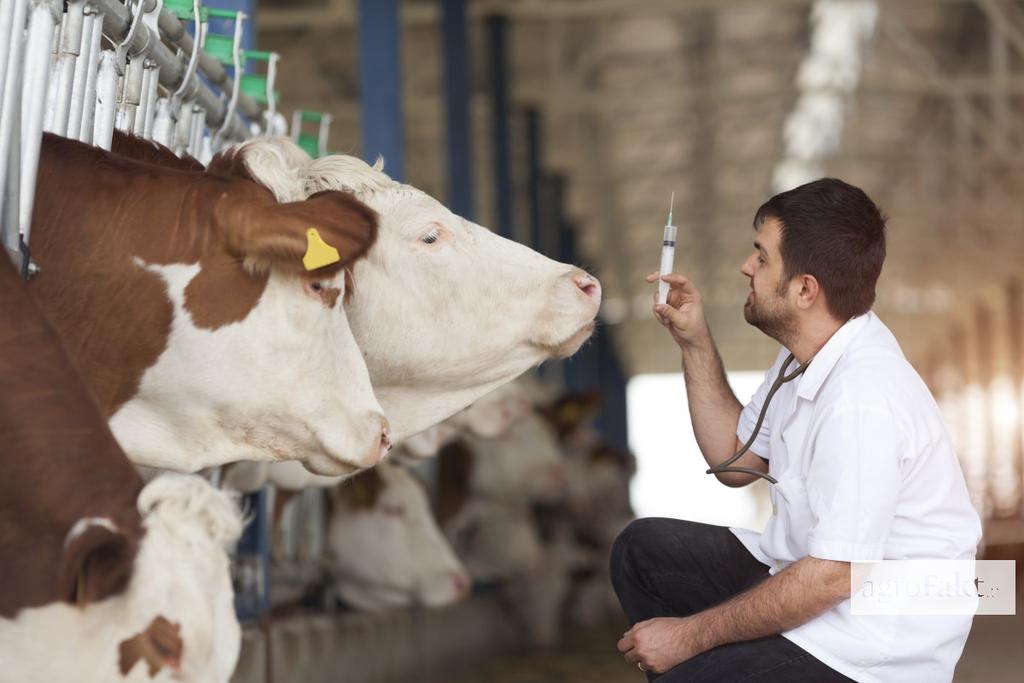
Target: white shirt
{"type": "Point", "coordinates": [866, 471]}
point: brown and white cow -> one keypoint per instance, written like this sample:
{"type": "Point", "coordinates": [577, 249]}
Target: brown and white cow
{"type": "Point", "coordinates": [184, 299]}
{"type": "Point", "coordinates": [101, 579]}
{"type": "Point", "coordinates": [444, 310]}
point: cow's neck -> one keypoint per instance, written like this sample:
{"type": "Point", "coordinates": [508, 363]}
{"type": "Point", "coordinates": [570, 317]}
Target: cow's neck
{"type": "Point", "coordinates": [94, 245]}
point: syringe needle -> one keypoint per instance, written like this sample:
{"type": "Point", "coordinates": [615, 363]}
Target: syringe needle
{"type": "Point", "coordinates": [671, 205]}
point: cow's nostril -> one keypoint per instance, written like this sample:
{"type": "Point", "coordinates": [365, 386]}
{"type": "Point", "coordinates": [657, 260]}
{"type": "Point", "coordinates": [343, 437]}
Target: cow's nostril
{"type": "Point", "coordinates": [385, 437]}
{"type": "Point", "coordinates": [461, 582]}
{"type": "Point", "coordinates": [588, 285]}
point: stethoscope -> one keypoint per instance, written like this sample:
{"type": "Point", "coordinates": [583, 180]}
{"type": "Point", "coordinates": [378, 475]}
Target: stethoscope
{"type": "Point", "coordinates": [779, 381]}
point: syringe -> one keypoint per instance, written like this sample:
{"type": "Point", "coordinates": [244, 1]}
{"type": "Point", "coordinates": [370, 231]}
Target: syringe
{"type": "Point", "coordinates": [668, 252]}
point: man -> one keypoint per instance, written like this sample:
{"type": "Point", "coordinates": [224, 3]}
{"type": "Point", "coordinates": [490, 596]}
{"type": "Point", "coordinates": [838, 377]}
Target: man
{"type": "Point", "coordinates": [864, 466]}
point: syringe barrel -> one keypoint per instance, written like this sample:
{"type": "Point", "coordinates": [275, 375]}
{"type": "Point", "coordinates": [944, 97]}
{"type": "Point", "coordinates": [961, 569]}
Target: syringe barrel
{"type": "Point", "coordinates": [669, 237]}
{"type": "Point", "coordinates": [668, 256]}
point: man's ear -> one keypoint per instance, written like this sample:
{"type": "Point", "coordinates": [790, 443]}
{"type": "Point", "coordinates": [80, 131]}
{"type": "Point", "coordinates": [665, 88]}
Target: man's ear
{"type": "Point", "coordinates": [96, 563]}
{"type": "Point", "coordinates": [808, 292]}
{"type": "Point", "coordinates": [270, 235]}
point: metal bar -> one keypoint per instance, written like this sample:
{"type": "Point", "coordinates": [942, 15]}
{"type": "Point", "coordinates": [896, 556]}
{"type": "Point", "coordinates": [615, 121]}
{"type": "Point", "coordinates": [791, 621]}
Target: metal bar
{"type": "Point", "coordinates": [497, 27]}
{"type": "Point", "coordinates": [106, 100]}
{"type": "Point", "coordinates": [147, 110]}
{"type": "Point", "coordinates": [70, 49]}
{"type": "Point", "coordinates": [458, 126]}
{"type": "Point", "coordinates": [163, 123]}
{"type": "Point", "coordinates": [533, 177]}
{"type": "Point", "coordinates": [7, 34]}
{"type": "Point", "coordinates": [81, 75]}
{"type": "Point", "coordinates": [85, 128]}
{"type": "Point", "coordinates": [10, 118]}
{"type": "Point", "coordinates": [43, 20]}
{"type": "Point", "coordinates": [380, 80]}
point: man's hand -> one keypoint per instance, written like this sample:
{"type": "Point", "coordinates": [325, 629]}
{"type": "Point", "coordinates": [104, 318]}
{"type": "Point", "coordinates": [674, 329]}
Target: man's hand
{"type": "Point", "coordinates": [660, 644]}
{"type": "Point", "coordinates": [683, 315]}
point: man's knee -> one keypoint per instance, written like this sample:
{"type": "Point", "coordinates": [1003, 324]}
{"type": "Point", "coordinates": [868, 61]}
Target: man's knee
{"type": "Point", "coordinates": [639, 538]}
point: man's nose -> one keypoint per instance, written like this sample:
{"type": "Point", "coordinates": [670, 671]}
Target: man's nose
{"type": "Point", "coordinates": [746, 268]}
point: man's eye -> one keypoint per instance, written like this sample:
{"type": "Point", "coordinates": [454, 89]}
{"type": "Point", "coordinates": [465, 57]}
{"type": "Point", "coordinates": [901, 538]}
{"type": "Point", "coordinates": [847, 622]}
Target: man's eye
{"type": "Point", "coordinates": [431, 236]}
{"type": "Point", "coordinates": [760, 259]}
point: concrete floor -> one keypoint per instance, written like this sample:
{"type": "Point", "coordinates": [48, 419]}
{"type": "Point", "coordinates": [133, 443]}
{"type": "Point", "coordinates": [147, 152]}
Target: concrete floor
{"type": "Point", "coordinates": [994, 654]}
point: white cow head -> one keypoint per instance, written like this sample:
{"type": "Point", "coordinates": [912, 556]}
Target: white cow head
{"type": "Point", "coordinates": [384, 547]}
{"type": "Point", "coordinates": [444, 309]}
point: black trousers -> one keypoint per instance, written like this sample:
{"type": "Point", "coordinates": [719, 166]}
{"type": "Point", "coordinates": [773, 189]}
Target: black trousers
{"type": "Point", "coordinates": [674, 568]}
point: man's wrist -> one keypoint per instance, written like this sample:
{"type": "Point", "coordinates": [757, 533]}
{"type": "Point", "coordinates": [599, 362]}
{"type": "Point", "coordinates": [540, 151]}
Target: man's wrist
{"type": "Point", "coordinates": [698, 344]}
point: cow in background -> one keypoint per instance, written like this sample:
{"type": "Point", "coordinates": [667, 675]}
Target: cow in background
{"type": "Point", "coordinates": [434, 277]}
{"type": "Point", "coordinates": [384, 548]}
{"type": "Point", "coordinates": [185, 300]}
{"type": "Point", "coordinates": [101, 579]}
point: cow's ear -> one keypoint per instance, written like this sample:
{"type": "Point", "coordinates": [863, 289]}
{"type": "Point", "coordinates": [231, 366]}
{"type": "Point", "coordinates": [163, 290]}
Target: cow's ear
{"type": "Point", "coordinates": [96, 563]}
{"type": "Point", "coordinates": [319, 235]}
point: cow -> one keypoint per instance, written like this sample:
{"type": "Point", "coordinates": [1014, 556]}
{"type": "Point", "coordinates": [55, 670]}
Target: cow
{"type": "Point", "coordinates": [208, 318]}
{"type": "Point", "coordinates": [444, 309]}
{"type": "Point", "coordinates": [384, 548]}
{"type": "Point", "coordinates": [101, 578]}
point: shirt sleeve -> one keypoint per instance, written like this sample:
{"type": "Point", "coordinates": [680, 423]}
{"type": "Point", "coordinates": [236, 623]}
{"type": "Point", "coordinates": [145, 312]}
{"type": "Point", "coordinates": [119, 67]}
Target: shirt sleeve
{"type": "Point", "coordinates": [748, 416]}
{"type": "Point", "coordinates": [853, 483]}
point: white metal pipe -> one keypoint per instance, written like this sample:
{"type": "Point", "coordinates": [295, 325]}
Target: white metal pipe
{"type": "Point", "coordinates": [149, 101]}
{"type": "Point", "coordinates": [106, 100]}
{"type": "Point", "coordinates": [198, 130]}
{"type": "Point", "coordinates": [85, 129]}
{"type": "Point", "coordinates": [80, 77]}
{"type": "Point", "coordinates": [325, 130]}
{"type": "Point", "coordinates": [131, 94]}
{"type": "Point", "coordinates": [6, 33]}
{"type": "Point", "coordinates": [163, 123]}
{"type": "Point", "coordinates": [236, 85]}
{"type": "Point", "coordinates": [70, 48]}
{"type": "Point", "coordinates": [139, 125]}
{"type": "Point", "coordinates": [44, 18]}
{"type": "Point", "coordinates": [50, 105]}
{"type": "Point", "coordinates": [10, 117]}
{"type": "Point", "coordinates": [183, 128]}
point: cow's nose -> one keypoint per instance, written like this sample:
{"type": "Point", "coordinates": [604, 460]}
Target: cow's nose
{"type": "Point", "coordinates": [385, 436]}
{"type": "Point", "coordinates": [587, 284]}
{"type": "Point", "coordinates": [462, 585]}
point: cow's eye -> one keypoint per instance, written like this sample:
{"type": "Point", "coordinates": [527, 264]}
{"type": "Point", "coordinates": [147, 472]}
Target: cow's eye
{"type": "Point", "coordinates": [431, 236]}
{"type": "Point", "coordinates": [316, 286]}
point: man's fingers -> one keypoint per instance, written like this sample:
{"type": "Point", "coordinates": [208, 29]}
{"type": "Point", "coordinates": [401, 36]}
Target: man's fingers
{"type": "Point", "coordinates": [653, 277]}
{"type": "Point", "coordinates": [625, 643]}
{"type": "Point", "coordinates": [678, 280]}
{"type": "Point", "coordinates": [632, 657]}
{"type": "Point", "coordinates": [670, 316]}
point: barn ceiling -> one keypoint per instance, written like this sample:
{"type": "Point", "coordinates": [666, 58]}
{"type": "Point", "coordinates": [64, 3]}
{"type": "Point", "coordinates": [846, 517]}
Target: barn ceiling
{"type": "Point", "coordinates": [639, 99]}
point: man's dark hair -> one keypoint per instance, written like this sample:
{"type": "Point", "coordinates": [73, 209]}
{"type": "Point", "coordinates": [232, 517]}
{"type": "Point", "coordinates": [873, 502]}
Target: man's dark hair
{"type": "Point", "coordinates": [833, 231]}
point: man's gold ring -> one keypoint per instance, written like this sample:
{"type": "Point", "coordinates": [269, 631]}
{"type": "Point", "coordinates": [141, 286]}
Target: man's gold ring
{"type": "Point", "coordinates": [640, 665]}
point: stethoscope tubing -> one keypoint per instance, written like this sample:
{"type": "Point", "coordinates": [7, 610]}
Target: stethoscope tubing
{"type": "Point", "coordinates": [781, 379]}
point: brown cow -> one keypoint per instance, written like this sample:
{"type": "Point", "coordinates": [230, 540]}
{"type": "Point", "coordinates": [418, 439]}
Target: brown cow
{"type": "Point", "coordinates": [69, 528]}
{"type": "Point", "coordinates": [187, 301]}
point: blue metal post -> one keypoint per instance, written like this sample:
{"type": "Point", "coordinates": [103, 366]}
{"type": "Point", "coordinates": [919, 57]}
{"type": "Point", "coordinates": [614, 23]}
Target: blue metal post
{"type": "Point", "coordinates": [534, 157]}
{"type": "Point", "coordinates": [380, 81]}
{"type": "Point", "coordinates": [457, 109]}
{"type": "Point", "coordinates": [497, 29]}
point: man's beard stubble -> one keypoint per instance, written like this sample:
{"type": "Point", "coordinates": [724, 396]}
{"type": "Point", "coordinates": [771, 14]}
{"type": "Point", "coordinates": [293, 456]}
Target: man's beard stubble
{"type": "Point", "coordinates": [772, 317]}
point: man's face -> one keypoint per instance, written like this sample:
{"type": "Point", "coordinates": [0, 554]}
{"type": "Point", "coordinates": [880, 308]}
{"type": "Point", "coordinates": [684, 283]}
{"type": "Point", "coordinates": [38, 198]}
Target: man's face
{"type": "Point", "coordinates": [767, 307]}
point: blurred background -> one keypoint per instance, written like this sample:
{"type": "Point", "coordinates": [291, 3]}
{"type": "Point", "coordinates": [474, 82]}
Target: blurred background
{"type": "Point", "coordinates": [566, 124]}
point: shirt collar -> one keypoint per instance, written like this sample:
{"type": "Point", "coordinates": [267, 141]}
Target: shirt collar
{"type": "Point", "coordinates": [829, 354]}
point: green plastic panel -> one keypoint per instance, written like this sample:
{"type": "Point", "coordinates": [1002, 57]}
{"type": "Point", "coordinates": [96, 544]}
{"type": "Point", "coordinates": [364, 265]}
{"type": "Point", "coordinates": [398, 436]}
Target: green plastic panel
{"type": "Point", "coordinates": [220, 47]}
{"type": "Point", "coordinates": [310, 143]}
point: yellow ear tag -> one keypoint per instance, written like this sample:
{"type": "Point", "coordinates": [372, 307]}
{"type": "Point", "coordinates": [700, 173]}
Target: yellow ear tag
{"type": "Point", "coordinates": [318, 252]}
